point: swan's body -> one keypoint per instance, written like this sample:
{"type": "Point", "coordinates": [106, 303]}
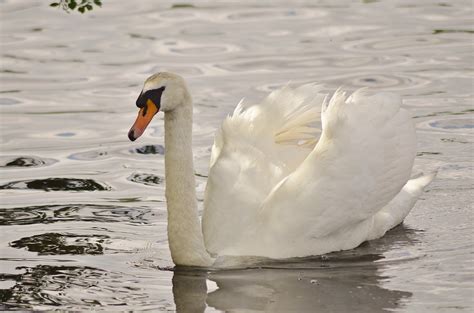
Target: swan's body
{"type": "Point", "coordinates": [274, 189]}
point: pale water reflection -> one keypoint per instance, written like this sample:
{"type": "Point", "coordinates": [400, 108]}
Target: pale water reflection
{"type": "Point", "coordinates": [83, 212]}
{"type": "Point", "coordinates": [285, 290]}
{"type": "Point", "coordinates": [349, 281]}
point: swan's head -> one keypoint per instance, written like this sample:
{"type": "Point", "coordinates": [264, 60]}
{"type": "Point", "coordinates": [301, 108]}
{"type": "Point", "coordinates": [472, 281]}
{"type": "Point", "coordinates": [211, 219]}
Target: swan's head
{"type": "Point", "coordinates": [161, 92]}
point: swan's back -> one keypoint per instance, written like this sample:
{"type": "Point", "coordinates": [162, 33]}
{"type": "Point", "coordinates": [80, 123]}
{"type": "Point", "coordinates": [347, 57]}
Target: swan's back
{"type": "Point", "coordinates": [272, 192]}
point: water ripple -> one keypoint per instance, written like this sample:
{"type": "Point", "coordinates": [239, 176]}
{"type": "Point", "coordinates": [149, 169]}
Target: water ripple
{"type": "Point", "coordinates": [149, 149]}
{"type": "Point", "coordinates": [79, 288]}
{"type": "Point", "coordinates": [47, 214]}
{"type": "Point", "coordinates": [62, 243]}
{"type": "Point", "coordinates": [450, 125]}
{"type": "Point", "coordinates": [453, 124]}
{"type": "Point", "coordinates": [57, 184]}
{"type": "Point", "coordinates": [397, 43]}
{"type": "Point", "coordinates": [269, 14]}
{"type": "Point", "coordinates": [186, 48]}
{"type": "Point", "coordinates": [145, 179]}
{"type": "Point", "coordinates": [389, 80]}
{"type": "Point", "coordinates": [90, 155]}
{"type": "Point", "coordinates": [24, 161]}
{"type": "Point", "coordinates": [9, 101]}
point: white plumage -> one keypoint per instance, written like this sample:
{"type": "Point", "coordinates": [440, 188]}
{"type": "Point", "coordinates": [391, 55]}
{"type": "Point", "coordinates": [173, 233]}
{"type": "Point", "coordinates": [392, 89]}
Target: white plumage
{"type": "Point", "coordinates": [272, 194]}
{"type": "Point", "coordinates": [296, 175]}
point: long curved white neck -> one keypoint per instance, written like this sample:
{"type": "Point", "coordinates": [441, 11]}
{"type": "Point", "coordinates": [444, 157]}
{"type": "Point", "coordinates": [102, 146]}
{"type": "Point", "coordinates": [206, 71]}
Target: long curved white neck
{"type": "Point", "coordinates": [184, 229]}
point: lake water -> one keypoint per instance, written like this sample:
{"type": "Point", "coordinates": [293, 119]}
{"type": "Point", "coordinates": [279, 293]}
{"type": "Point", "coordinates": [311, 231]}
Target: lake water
{"type": "Point", "coordinates": [83, 213]}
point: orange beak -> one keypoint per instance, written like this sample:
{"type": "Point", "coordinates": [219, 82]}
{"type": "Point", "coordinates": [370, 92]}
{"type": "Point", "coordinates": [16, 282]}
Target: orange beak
{"type": "Point", "coordinates": [144, 118]}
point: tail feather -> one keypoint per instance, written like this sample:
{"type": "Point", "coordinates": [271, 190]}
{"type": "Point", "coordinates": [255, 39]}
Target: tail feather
{"type": "Point", "coordinates": [416, 185]}
{"type": "Point", "coordinates": [396, 210]}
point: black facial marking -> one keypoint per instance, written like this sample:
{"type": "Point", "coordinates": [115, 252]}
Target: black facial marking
{"type": "Point", "coordinates": [145, 109]}
{"type": "Point", "coordinates": [141, 101]}
{"type": "Point", "coordinates": [154, 95]}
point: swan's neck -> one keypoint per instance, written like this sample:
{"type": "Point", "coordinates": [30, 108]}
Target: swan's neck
{"type": "Point", "coordinates": [184, 228]}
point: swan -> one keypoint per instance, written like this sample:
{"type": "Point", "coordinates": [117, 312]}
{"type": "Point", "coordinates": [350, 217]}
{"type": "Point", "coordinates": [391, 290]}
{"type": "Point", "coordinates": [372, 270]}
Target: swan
{"type": "Point", "coordinates": [276, 188]}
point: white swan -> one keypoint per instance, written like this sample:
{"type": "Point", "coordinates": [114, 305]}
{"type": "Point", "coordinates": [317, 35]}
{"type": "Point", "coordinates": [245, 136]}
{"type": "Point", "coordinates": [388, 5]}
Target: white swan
{"type": "Point", "coordinates": [274, 189]}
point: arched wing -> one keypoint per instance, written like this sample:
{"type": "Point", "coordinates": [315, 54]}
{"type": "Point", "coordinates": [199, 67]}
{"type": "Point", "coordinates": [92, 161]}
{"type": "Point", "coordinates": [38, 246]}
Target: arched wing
{"type": "Point", "coordinates": [362, 160]}
{"type": "Point", "coordinates": [255, 148]}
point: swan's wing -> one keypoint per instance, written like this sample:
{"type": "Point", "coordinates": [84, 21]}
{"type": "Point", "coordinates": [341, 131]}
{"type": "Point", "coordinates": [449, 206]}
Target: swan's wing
{"type": "Point", "coordinates": [253, 150]}
{"type": "Point", "coordinates": [362, 160]}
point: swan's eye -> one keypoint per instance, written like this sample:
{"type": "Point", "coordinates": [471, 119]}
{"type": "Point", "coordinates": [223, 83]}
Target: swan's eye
{"type": "Point", "coordinates": [153, 94]}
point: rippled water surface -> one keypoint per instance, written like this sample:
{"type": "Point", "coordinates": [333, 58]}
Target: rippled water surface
{"type": "Point", "coordinates": [83, 213]}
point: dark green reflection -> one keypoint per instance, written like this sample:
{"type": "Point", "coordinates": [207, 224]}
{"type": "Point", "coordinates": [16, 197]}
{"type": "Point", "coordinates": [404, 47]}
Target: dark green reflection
{"type": "Point", "coordinates": [44, 285]}
{"type": "Point", "coordinates": [427, 153]}
{"type": "Point", "coordinates": [65, 243]}
{"type": "Point", "coordinates": [150, 149]}
{"type": "Point", "coordinates": [24, 161]}
{"type": "Point", "coordinates": [57, 184]}
{"type": "Point", "coordinates": [447, 31]}
{"type": "Point", "coordinates": [145, 179]}
{"type": "Point", "coordinates": [182, 6]}
{"type": "Point", "coordinates": [81, 6]}
{"type": "Point", "coordinates": [46, 214]}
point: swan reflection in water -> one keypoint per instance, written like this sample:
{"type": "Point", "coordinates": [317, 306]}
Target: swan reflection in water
{"type": "Point", "coordinates": [342, 282]}
{"type": "Point", "coordinates": [285, 290]}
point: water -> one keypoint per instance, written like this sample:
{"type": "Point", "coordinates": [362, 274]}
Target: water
{"type": "Point", "coordinates": [83, 213]}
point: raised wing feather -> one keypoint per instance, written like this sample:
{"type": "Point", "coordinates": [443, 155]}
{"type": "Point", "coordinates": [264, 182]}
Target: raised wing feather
{"type": "Point", "coordinates": [256, 148]}
{"type": "Point", "coordinates": [362, 160]}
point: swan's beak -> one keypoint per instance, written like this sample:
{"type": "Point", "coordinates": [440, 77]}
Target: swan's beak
{"type": "Point", "coordinates": [144, 118]}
